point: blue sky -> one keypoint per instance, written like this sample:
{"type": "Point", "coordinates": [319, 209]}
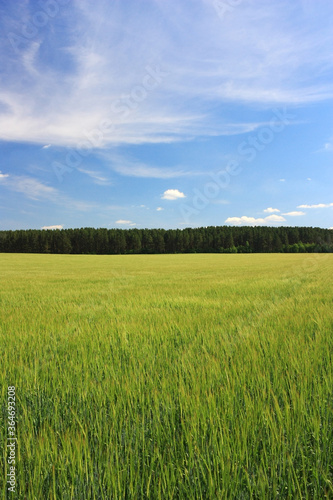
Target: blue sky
{"type": "Point", "coordinates": [166, 114]}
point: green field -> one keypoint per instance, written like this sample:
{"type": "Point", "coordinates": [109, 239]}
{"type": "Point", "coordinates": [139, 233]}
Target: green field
{"type": "Point", "coordinates": [168, 376]}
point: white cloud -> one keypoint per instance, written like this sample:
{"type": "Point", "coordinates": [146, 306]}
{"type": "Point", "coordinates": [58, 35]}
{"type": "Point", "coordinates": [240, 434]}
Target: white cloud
{"type": "Point", "coordinates": [309, 179]}
{"type": "Point", "coordinates": [328, 146]}
{"type": "Point", "coordinates": [292, 214]}
{"type": "Point", "coordinates": [172, 194]}
{"type": "Point", "coordinates": [252, 220]}
{"type": "Point", "coordinates": [3, 176]}
{"type": "Point", "coordinates": [271, 210]}
{"type": "Point", "coordinates": [125, 222]}
{"type": "Point", "coordinates": [275, 218]}
{"type": "Point", "coordinates": [320, 205]}
{"type": "Point", "coordinates": [53, 227]}
{"type": "Point", "coordinates": [159, 209]}
{"type": "Point", "coordinates": [282, 180]}
{"type": "Point", "coordinates": [46, 146]}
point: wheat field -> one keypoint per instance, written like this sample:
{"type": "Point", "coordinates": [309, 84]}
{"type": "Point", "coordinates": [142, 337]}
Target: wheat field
{"type": "Point", "coordinates": [168, 376]}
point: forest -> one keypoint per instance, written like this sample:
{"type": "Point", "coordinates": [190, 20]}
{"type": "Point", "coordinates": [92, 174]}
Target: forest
{"type": "Point", "coordinates": [213, 239]}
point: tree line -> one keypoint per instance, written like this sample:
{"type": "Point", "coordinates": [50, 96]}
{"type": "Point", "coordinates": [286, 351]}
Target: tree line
{"type": "Point", "coordinates": [213, 239]}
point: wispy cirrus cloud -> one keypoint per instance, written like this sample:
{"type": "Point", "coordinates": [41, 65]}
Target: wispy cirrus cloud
{"type": "Point", "coordinates": [97, 177]}
{"type": "Point", "coordinates": [220, 202]}
{"type": "Point", "coordinates": [157, 88]}
{"type": "Point", "coordinates": [133, 168]}
{"type": "Point", "coordinates": [30, 187]}
{"type": "Point", "coordinates": [35, 190]}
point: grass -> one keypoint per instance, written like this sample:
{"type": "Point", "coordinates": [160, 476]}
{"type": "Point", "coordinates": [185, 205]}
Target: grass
{"type": "Point", "coordinates": [169, 376]}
